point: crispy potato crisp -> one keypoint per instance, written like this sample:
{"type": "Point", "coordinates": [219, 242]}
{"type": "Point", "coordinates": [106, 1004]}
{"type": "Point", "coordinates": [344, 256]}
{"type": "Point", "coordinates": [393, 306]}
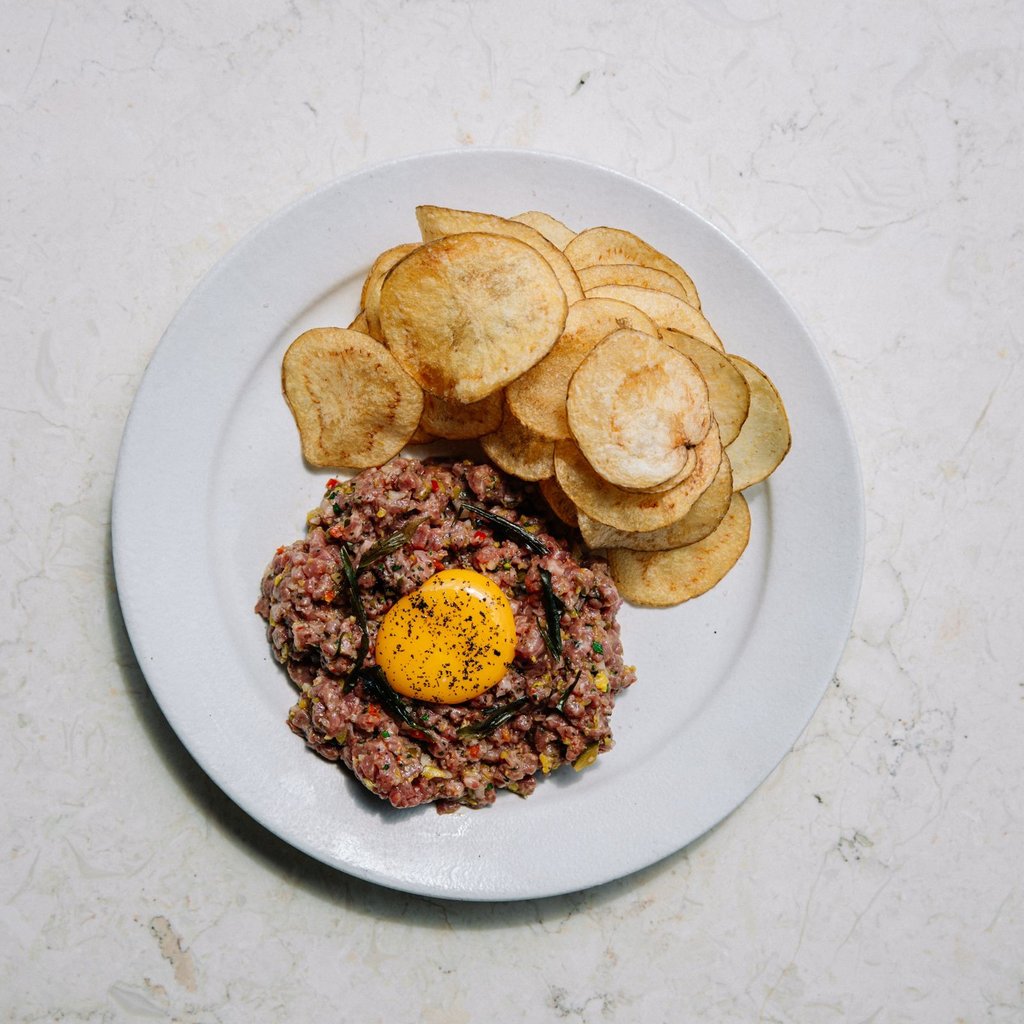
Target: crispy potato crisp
{"type": "Point", "coordinates": [764, 438]}
{"type": "Point", "coordinates": [353, 403]}
{"type": "Point", "coordinates": [468, 313]}
{"type": "Point", "coordinates": [631, 274]}
{"type": "Point", "coordinates": [518, 450]}
{"type": "Point", "coordinates": [553, 230]}
{"type": "Point", "coordinates": [634, 510]}
{"type": "Point", "coordinates": [657, 579]}
{"type": "Point", "coordinates": [727, 387]}
{"type": "Point", "coordinates": [370, 297]}
{"type": "Point", "coordinates": [703, 518]}
{"type": "Point", "coordinates": [538, 397]}
{"type": "Point", "coordinates": [437, 221]}
{"type": "Point", "coordinates": [664, 309]}
{"type": "Point", "coordinates": [455, 421]}
{"type": "Point", "coordinates": [636, 406]}
{"type": "Point", "coordinates": [580, 361]}
{"type": "Point", "coordinates": [597, 246]}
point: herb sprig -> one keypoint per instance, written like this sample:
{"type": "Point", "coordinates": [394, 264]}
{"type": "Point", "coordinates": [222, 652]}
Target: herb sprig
{"type": "Point", "coordinates": [553, 615]}
{"type": "Point", "coordinates": [499, 716]}
{"type": "Point", "coordinates": [360, 613]}
{"type": "Point", "coordinates": [380, 549]}
{"type": "Point", "coordinates": [379, 689]}
{"type": "Point", "coordinates": [567, 693]}
{"type": "Point", "coordinates": [505, 527]}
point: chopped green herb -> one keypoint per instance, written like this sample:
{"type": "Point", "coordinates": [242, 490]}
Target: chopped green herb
{"type": "Point", "coordinates": [337, 508]}
{"type": "Point", "coordinates": [598, 647]}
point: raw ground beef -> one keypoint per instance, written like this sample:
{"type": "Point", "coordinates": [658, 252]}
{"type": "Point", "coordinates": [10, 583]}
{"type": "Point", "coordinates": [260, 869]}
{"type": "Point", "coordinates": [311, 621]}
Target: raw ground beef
{"type": "Point", "coordinates": [316, 635]}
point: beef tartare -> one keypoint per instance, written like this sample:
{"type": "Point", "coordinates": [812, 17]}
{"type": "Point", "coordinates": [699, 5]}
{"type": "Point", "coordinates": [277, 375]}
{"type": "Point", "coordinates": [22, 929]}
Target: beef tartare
{"type": "Point", "coordinates": [380, 536]}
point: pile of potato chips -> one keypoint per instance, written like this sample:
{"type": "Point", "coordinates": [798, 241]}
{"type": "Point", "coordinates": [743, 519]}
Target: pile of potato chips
{"type": "Point", "coordinates": [581, 361]}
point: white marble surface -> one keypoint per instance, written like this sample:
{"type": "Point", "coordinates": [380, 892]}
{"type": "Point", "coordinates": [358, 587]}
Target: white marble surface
{"type": "Point", "coordinates": [871, 160]}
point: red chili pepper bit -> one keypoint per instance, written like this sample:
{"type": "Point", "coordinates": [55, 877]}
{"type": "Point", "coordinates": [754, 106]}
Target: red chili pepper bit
{"type": "Point", "coordinates": [474, 750]}
{"type": "Point", "coordinates": [435, 486]}
{"type": "Point", "coordinates": [438, 564]}
{"type": "Point", "coordinates": [479, 536]}
{"type": "Point", "coordinates": [417, 734]}
{"type": "Point", "coordinates": [332, 483]}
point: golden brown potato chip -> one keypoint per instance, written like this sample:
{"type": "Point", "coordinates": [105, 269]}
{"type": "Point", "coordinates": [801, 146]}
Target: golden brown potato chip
{"type": "Point", "coordinates": [596, 246]}
{"type": "Point", "coordinates": [353, 403]}
{"type": "Point", "coordinates": [633, 510]}
{"type": "Point", "coordinates": [631, 274]}
{"type": "Point", "coordinates": [665, 310]}
{"type": "Point", "coordinates": [370, 297]}
{"type": "Point", "coordinates": [538, 397]}
{"type": "Point", "coordinates": [421, 435]}
{"type": "Point", "coordinates": [468, 313]}
{"type": "Point", "coordinates": [455, 421]}
{"type": "Point", "coordinates": [677, 478]}
{"type": "Point", "coordinates": [553, 230]}
{"type": "Point", "coordinates": [437, 221]}
{"type": "Point", "coordinates": [559, 501]}
{"type": "Point", "coordinates": [517, 450]}
{"type": "Point", "coordinates": [764, 439]}
{"type": "Point", "coordinates": [730, 394]}
{"type": "Point", "coordinates": [636, 406]}
{"type": "Point", "coordinates": [658, 579]}
{"type": "Point", "coordinates": [360, 323]}
{"type": "Point", "coordinates": [703, 518]}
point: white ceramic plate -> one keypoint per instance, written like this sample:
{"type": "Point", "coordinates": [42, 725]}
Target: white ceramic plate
{"type": "Point", "coordinates": [210, 481]}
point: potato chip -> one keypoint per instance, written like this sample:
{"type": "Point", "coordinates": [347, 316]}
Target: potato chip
{"type": "Point", "coordinates": [597, 246]}
{"type": "Point", "coordinates": [553, 230]}
{"type": "Point", "coordinates": [421, 435]}
{"type": "Point", "coordinates": [559, 501]}
{"type": "Point", "coordinates": [518, 450]}
{"type": "Point", "coordinates": [658, 579]}
{"type": "Point", "coordinates": [677, 478]}
{"type": "Point", "coordinates": [538, 397]}
{"type": "Point", "coordinates": [764, 439]}
{"type": "Point", "coordinates": [370, 297]}
{"type": "Point", "coordinates": [727, 387]}
{"type": "Point", "coordinates": [635, 406]}
{"type": "Point", "coordinates": [353, 403]}
{"type": "Point", "coordinates": [437, 221]}
{"type": "Point", "coordinates": [665, 310]}
{"type": "Point", "coordinates": [360, 323]}
{"type": "Point", "coordinates": [702, 519]}
{"type": "Point", "coordinates": [468, 313]}
{"type": "Point", "coordinates": [633, 510]}
{"type": "Point", "coordinates": [631, 274]}
{"type": "Point", "coordinates": [456, 421]}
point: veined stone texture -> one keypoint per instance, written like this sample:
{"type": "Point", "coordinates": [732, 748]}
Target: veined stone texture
{"type": "Point", "coordinates": [869, 157]}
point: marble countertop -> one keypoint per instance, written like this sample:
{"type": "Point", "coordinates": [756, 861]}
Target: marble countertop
{"type": "Point", "coordinates": [869, 159]}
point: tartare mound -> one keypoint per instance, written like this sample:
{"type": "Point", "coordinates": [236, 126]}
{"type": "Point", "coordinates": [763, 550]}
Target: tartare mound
{"type": "Point", "coordinates": [414, 752]}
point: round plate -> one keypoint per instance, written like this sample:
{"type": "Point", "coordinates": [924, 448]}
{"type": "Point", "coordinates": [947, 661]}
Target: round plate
{"type": "Point", "coordinates": [210, 480]}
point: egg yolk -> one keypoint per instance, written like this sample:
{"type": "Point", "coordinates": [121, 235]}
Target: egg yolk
{"type": "Point", "coordinates": [449, 640]}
